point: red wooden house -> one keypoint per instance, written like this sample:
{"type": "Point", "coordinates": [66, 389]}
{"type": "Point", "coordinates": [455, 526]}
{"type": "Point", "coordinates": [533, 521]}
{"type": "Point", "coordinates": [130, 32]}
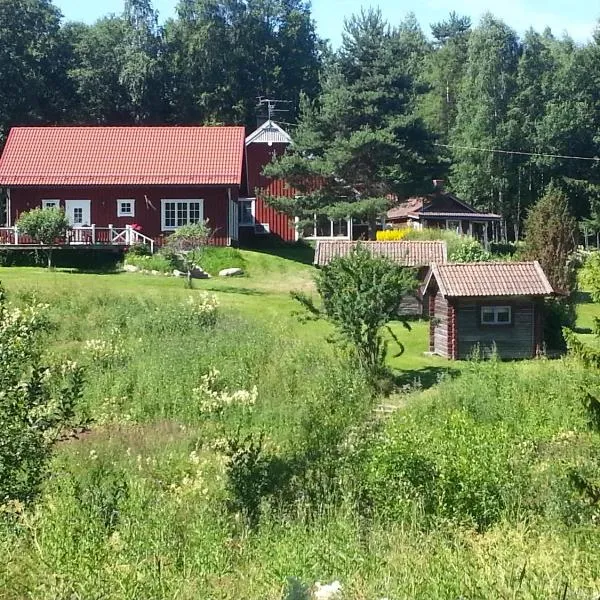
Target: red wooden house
{"type": "Point", "coordinates": [108, 179]}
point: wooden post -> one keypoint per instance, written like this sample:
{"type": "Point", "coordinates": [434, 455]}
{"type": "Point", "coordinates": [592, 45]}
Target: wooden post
{"type": "Point", "coordinates": [16, 236]}
{"type": "Point", "coordinates": [93, 234]}
{"type": "Point", "coordinates": [110, 233]}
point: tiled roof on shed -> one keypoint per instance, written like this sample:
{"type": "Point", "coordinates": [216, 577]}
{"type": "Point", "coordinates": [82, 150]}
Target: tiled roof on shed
{"type": "Point", "coordinates": [493, 279]}
{"type": "Point", "coordinates": [407, 253]}
{"type": "Point", "coordinates": [123, 156]}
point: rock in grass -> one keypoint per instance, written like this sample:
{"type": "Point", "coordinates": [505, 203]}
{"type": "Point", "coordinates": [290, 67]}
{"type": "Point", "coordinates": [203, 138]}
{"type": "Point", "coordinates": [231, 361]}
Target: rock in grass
{"type": "Point", "coordinates": [177, 273]}
{"type": "Point", "coordinates": [130, 268]}
{"type": "Point", "coordinates": [234, 272]}
{"type": "Point", "coordinates": [199, 273]}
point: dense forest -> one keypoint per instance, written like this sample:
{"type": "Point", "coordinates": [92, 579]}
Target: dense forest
{"type": "Point", "coordinates": [446, 94]}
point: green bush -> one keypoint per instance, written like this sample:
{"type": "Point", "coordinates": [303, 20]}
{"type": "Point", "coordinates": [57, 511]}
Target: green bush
{"type": "Point", "coordinates": [139, 249]}
{"type": "Point", "coordinates": [161, 261]}
{"type": "Point", "coordinates": [37, 402]}
{"type": "Point", "coordinates": [216, 259]}
{"type": "Point", "coordinates": [468, 250]}
{"type": "Point", "coordinates": [589, 275]}
{"type": "Point", "coordinates": [360, 294]}
{"type": "Point", "coordinates": [460, 248]}
{"type": "Point", "coordinates": [45, 226]}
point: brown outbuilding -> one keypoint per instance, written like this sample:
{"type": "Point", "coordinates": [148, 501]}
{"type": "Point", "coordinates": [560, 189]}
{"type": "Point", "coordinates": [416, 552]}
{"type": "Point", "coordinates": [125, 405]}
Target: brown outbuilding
{"type": "Point", "coordinates": [486, 307]}
{"type": "Point", "coordinates": [416, 254]}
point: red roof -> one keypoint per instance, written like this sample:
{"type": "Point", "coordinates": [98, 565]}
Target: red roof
{"type": "Point", "coordinates": [123, 156]}
{"type": "Point", "coordinates": [467, 280]}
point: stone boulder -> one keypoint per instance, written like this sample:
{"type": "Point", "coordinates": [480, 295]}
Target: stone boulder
{"type": "Point", "coordinates": [234, 272]}
{"type": "Point", "coordinates": [199, 273]}
{"type": "Point", "coordinates": [177, 273]}
{"type": "Point", "coordinates": [130, 268]}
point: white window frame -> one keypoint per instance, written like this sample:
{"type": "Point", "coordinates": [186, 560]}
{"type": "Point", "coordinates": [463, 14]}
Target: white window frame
{"type": "Point", "coordinates": [314, 235]}
{"type": "Point", "coordinates": [121, 202]}
{"type": "Point", "coordinates": [496, 310]}
{"type": "Point", "coordinates": [51, 203]}
{"type": "Point", "coordinates": [188, 201]}
{"type": "Point", "coordinates": [252, 202]}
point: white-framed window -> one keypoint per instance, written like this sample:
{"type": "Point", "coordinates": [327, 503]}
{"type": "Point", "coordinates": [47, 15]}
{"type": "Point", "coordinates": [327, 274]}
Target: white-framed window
{"type": "Point", "coordinates": [246, 212]}
{"type": "Point", "coordinates": [324, 227]}
{"type": "Point", "coordinates": [50, 203]}
{"type": "Point", "coordinates": [126, 208]}
{"type": "Point", "coordinates": [176, 213]}
{"type": "Point", "coordinates": [496, 315]}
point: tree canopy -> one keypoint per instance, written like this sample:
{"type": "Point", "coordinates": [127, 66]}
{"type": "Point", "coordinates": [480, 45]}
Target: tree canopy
{"type": "Point", "coordinates": [361, 141]}
{"type": "Point", "coordinates": [364, 117]}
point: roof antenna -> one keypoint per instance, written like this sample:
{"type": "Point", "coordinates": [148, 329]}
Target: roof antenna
{"type": "Point", "coordinates": [272, 108]}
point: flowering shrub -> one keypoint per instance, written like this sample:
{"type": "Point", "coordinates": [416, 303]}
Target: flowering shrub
{"type": "Point", "coordinates": [37, 402]}
{"type": "Point", "coordinates": [214, 401]}
{"type": "Point", "coordinates": [202, 308]}
{"type": "Point", "coordinates": [104, 352]}
{"type": "Point", "coordinates": [392, 235]}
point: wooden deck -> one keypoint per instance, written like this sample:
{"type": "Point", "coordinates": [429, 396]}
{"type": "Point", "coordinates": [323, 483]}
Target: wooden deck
{"type": "Point", "coordinates": [107, 238]}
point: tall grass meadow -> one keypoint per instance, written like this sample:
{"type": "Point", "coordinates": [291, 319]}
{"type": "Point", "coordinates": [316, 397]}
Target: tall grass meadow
{"type": "Point", "coordinates": [227, 458]}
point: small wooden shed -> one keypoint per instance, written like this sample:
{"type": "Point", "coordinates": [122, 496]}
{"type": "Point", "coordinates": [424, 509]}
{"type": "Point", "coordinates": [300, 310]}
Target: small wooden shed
{"type": "Point", "coordinates": [486, 307]}
{"type": "Point", "coordinates": [416, 254]}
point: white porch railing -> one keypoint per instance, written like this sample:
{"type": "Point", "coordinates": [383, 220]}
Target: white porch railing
{"type": "Point", "coordinates": [82, 236]}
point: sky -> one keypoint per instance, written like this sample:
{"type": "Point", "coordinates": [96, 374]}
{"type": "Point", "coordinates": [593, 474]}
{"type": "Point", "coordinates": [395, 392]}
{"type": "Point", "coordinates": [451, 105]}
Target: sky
{"type": "Point", "coordinates": [575, 17]}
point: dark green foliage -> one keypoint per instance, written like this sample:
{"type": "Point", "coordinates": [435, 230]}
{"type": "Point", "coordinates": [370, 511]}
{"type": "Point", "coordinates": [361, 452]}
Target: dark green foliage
{"type": "Point", "coordinates": [360, 295]}
{"type": "Point", "coordinates": [138, 249]}
{"type": "Point", "coordinates": [551, 238]}
{"type": "Point", "coordinates": [362, 140]}
{"type": "Point", "coordinates": [73, 258]}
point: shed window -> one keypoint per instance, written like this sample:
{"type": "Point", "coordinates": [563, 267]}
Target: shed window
{"type": "Point", "coordinates": [176, 213]}
{"type": "Point", "coordinates": [125, 208]}
{"type": "Point", "coordinates": [496, 315]}
{"type": "Point", "coordinates": [246, 212]}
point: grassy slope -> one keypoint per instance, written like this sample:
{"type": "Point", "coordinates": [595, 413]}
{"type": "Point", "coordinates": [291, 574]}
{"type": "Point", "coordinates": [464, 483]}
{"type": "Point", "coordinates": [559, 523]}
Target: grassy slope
{"type": "Point", "coordinates": [263, 293]}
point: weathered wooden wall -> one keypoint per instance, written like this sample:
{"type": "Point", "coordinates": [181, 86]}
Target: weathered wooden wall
{"type": "Point", "coordinates": [441, 334]}
{"type": "Point", "coordinates": [517, 340]}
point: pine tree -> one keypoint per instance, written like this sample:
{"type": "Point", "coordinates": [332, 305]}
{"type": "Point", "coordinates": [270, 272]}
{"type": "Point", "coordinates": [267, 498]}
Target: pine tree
{"type": "Point", "coordinates": [551, 237]}
{"type": "Point", "coordinates": [361, 141]}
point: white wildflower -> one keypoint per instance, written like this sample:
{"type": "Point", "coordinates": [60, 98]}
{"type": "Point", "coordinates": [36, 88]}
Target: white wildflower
{"type": "Point", "coordinates": [331, 591]}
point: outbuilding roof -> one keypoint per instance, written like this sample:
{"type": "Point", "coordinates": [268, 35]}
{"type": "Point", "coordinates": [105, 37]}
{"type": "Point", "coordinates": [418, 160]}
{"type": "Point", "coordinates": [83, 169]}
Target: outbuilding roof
{"type": "Point", "coordinates": [493, 279]}
{"type": "Point", "coordinates": [410, 253]}
{"type": "Point", "coordinates": [45, 156]}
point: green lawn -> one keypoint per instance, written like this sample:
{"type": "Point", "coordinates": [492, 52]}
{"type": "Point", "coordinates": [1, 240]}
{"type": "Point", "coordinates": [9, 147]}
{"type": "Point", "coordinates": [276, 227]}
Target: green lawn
{"type": "Point", "coordinates": [263, 294]}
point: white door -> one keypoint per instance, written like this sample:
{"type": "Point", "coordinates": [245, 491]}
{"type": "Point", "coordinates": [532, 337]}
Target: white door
{"type": "Point", "coordinates": [78, 212]}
